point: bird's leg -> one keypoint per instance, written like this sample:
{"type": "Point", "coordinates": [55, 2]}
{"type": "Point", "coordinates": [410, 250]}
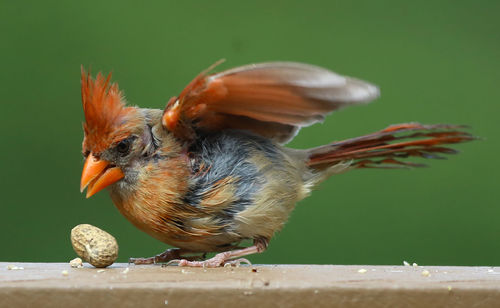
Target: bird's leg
{"type": "Point", "coordinates": [227, 257]}
{"type": "Point", "coordinates": [167, 255]}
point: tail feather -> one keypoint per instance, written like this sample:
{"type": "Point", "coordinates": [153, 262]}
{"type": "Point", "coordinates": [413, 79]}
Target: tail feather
{"type": "Point", "coordinates": [384, 148]}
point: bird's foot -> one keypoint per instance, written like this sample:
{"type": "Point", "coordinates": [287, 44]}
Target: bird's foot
{"type": "Point", "coordinates": [232, 257]}
{"type": "Point", "coordinates": [220, 259]}
{"type": "Point", "coordinates": [166, 256]}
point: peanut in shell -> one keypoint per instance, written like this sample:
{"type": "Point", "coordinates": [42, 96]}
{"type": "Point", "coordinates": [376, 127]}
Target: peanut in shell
{"type": "Point", "coordinates": [94, 245]}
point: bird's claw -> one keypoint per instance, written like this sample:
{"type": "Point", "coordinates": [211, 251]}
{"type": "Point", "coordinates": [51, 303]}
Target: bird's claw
{"type": "Point", "coordinates": [168, 256]}
{"type": "Point", "coordinates": [210, 263]}
{"type": "Point", "coordinates": [238, 262]}
{"type": "Point", "coordinates": [174, 262]}
{"type": "Point", "coordinates": [139, 261]}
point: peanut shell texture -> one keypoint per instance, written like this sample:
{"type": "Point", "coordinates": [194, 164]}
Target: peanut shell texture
{"type": "Point", "coordinates": [94, 245]}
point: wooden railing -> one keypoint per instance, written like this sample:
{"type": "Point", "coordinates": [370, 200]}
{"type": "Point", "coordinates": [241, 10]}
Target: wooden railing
{"type": "Point", "coordinates": [121, 285]}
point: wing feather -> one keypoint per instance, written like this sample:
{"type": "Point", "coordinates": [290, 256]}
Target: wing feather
{"type": "Point", "coordinates": [273, 99]}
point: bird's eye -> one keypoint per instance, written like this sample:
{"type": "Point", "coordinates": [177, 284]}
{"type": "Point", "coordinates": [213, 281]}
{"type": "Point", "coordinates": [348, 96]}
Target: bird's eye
{"type": "Point", "coordinates": [123, 146]}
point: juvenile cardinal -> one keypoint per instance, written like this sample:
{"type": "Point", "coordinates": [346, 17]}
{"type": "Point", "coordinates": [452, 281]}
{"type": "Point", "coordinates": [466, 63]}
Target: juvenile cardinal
{"type": "Point", "coordinates": [211, 170]}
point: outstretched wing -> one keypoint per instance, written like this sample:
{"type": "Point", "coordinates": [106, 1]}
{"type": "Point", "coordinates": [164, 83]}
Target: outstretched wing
{"type": "Point", "coordinates": [272, 99]}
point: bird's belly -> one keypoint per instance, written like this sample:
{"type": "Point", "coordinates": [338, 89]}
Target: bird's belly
{"type": "Point", "coordinates": [197, 233]}
{"type": "Point", "coordinates": [210, 232]}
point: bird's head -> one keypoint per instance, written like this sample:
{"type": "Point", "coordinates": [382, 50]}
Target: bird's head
{"type": "Point", "coordinates": [112, 133]}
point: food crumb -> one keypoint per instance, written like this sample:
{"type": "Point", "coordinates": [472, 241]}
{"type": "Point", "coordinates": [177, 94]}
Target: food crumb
{"type": "Point", "coordinates": [362, 271]}
{"type": "Point", "coordinates": [254, 270]}
{"type": "Point", "coordinates": [11, 267]}
{"type": "Point", "coordinates": [65, 273]}
{"type": "Point", "coordinates": [406, 263]}
{"type": "Point", "coordinates": [247, 293]}
{"type": "Point", "coordinates": [76, 263]}
{"type": "Point", "coordinates": [414, 264]}
{"type": "Point", "coordinates": [101, 271]}
{"type": "Point", "coordinates": [125, 270]}
{"type": "Point", "coordinates": [449, 288]}
{"type": "Point", "coordinates": [426, 273]}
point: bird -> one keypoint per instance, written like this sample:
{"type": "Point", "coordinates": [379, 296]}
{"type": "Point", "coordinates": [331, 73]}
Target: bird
{"type": "Point", "coordinates": [211, 170]}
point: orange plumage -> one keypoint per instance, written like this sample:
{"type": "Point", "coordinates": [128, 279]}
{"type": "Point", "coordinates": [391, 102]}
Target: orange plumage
{"type": "Point", "coordinates": [107, 119]}
{"type": "Point", "coordinates": [210, 170]}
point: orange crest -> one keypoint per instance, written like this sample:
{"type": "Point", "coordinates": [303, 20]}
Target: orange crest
{"type": "Point", "coordinates": [107, 119]}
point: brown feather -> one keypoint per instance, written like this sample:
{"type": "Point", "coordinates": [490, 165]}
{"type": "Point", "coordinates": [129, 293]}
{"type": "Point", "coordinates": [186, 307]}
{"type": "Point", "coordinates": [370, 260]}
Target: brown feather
{"type": "Point", "coordinates": [270, 99]}
{"type": "Point", "coordinates": [425, 140]}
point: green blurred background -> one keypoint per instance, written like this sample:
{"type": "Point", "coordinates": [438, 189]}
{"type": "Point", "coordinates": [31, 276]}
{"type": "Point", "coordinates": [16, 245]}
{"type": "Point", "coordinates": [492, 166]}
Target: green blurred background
{"type": "Point", "coordinates": [435, 61]}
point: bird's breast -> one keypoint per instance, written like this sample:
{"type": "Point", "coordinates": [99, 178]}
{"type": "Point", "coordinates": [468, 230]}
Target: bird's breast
{"type": "Point", "coordinates": [152, 201]}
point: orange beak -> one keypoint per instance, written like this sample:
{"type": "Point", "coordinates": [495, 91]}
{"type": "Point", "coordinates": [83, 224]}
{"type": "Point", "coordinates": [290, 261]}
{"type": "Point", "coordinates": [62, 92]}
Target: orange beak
{"type": "Point", "coordinates": [97, 174]}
